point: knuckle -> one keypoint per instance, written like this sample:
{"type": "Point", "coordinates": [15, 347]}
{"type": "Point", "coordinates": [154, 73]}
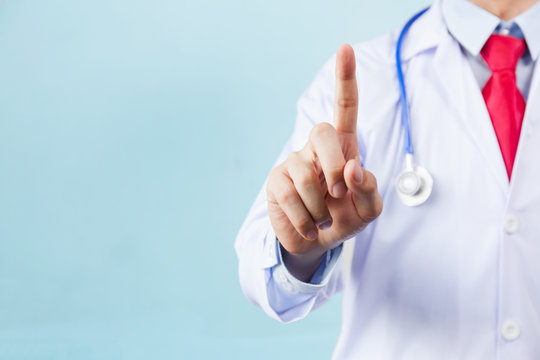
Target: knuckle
{"type": "Point", "coordinates": [293, 158]}
{"type": "Point", "coordinates": [271, 182]}
{"type": "Point", "coordinates": [370, 184]}
{"type": "Point", "coordinates": [306, 179]}
{"type": "Point", "coordinates": [273, 178]}
{"type": "Point", "coordinates": [286, 195]}
{"type": "Point", "coordinates": [334, 171]}
{"type": "Point", "coordinates": [273, 174]}
{"type": "Point", "coordinates": [347, 102]}
{"type": "Point", "coordinates": [322, 129]}
{"type": "Point", "coordinates": [369, 187]}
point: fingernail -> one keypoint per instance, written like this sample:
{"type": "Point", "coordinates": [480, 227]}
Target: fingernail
{"type": "Point", "coordinates": [358, 171]}
{"type": "Point", "coordinates": [312, 235]}
{"type": "Point", "coordinates": [323, 225]}
{"type": "Point", "coordinates": [339, 190]}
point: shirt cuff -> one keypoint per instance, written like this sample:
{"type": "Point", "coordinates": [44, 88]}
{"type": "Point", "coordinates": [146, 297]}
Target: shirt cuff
{"type": "Point", "coordinates": [286, 281]}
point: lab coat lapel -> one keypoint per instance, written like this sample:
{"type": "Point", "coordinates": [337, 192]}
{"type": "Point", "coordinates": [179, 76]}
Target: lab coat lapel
{"type": "Point", "coordinates": [528, 146]}
{"type": "Point", "coordinates": [461, 89]}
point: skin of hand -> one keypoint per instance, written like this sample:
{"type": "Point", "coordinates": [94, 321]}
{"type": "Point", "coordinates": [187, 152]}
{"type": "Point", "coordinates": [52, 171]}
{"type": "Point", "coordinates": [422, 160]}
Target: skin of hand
{"type": "Point", "coordinates": [320, 196]}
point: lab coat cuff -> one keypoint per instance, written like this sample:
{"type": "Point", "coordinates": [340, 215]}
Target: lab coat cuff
{"type": "Point", "coordinates": [269, 257]}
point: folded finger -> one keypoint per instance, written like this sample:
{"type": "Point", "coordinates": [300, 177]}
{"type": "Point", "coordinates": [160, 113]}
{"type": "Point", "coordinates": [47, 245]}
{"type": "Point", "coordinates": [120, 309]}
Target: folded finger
{"type": "Point", "coordinates": [308, 187]}
{"type": "Point", "coordinates": [326, 146]}
{"type": "Point", "coordinates": [292, 205]}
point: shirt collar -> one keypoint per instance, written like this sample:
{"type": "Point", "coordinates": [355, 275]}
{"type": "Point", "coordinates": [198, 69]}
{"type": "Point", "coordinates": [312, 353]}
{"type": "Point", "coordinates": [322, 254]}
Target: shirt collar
{"type": "Point", "coordinates": [471, 25]}
{"type": "Point", "coordinates": [530, 26]}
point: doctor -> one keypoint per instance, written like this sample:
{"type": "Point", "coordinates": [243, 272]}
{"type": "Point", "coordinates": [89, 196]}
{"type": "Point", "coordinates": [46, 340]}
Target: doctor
{"type": "Point", "coordinates": [455, 277]}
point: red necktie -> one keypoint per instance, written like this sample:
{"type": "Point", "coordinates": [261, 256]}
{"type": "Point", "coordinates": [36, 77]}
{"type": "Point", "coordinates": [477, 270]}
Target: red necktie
{"type": "Point", "coordinates": [504, 101]}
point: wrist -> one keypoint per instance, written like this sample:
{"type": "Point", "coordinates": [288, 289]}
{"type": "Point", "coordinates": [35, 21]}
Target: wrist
{"type": "Point", "coordinates": [302, 266]}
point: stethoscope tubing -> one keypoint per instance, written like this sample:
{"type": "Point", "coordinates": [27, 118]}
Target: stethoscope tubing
{"type": "Point", "coordinates": [405, 116]}
{"type": "Point", "coordinates": [414, 184]}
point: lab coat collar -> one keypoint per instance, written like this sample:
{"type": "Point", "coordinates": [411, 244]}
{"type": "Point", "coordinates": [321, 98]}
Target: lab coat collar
{"type": "Point", "coordinates": [472, 26]}
{"type": "Point", "coordinates": [426, 32]}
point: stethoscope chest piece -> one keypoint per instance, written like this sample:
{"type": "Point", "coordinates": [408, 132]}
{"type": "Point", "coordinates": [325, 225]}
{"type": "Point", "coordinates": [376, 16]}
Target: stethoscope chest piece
{"type": "Point", "coordinates": [414, 186]}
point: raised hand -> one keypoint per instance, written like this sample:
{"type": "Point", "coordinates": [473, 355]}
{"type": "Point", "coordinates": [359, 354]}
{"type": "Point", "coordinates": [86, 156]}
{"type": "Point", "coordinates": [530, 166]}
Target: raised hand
{"type": "Point", "coordinates": [320, 196]}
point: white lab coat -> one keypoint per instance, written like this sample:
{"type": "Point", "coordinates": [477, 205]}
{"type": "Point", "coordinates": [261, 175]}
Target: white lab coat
{"type": "Point", "coordinates": [457, 277]}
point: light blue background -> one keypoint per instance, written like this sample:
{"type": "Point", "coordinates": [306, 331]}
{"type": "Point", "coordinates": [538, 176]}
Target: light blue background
{"type": "Point", "coordinates": [134, 136]}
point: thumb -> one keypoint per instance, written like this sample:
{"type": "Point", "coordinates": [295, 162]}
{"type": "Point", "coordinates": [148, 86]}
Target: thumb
{"type": "Point", "coordinates": [363, 187]}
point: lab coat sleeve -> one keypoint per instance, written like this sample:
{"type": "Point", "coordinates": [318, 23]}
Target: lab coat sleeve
{"type": "Point", "coordinates": [263, 277]}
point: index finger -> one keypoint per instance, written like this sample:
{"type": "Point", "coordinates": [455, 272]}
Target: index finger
{"type": "Point", "coordinates": [346, 96]}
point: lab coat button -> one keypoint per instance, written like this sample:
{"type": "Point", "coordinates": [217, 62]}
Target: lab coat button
{"type": "Point", "coordinates": [510, 331]}
{"type": "Point", "coordinates": [511, 224]}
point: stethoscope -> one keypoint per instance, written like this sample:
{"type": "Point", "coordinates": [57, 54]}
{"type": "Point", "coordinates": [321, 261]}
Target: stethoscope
{"type": "Point", "coordinates": [414, 184]}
